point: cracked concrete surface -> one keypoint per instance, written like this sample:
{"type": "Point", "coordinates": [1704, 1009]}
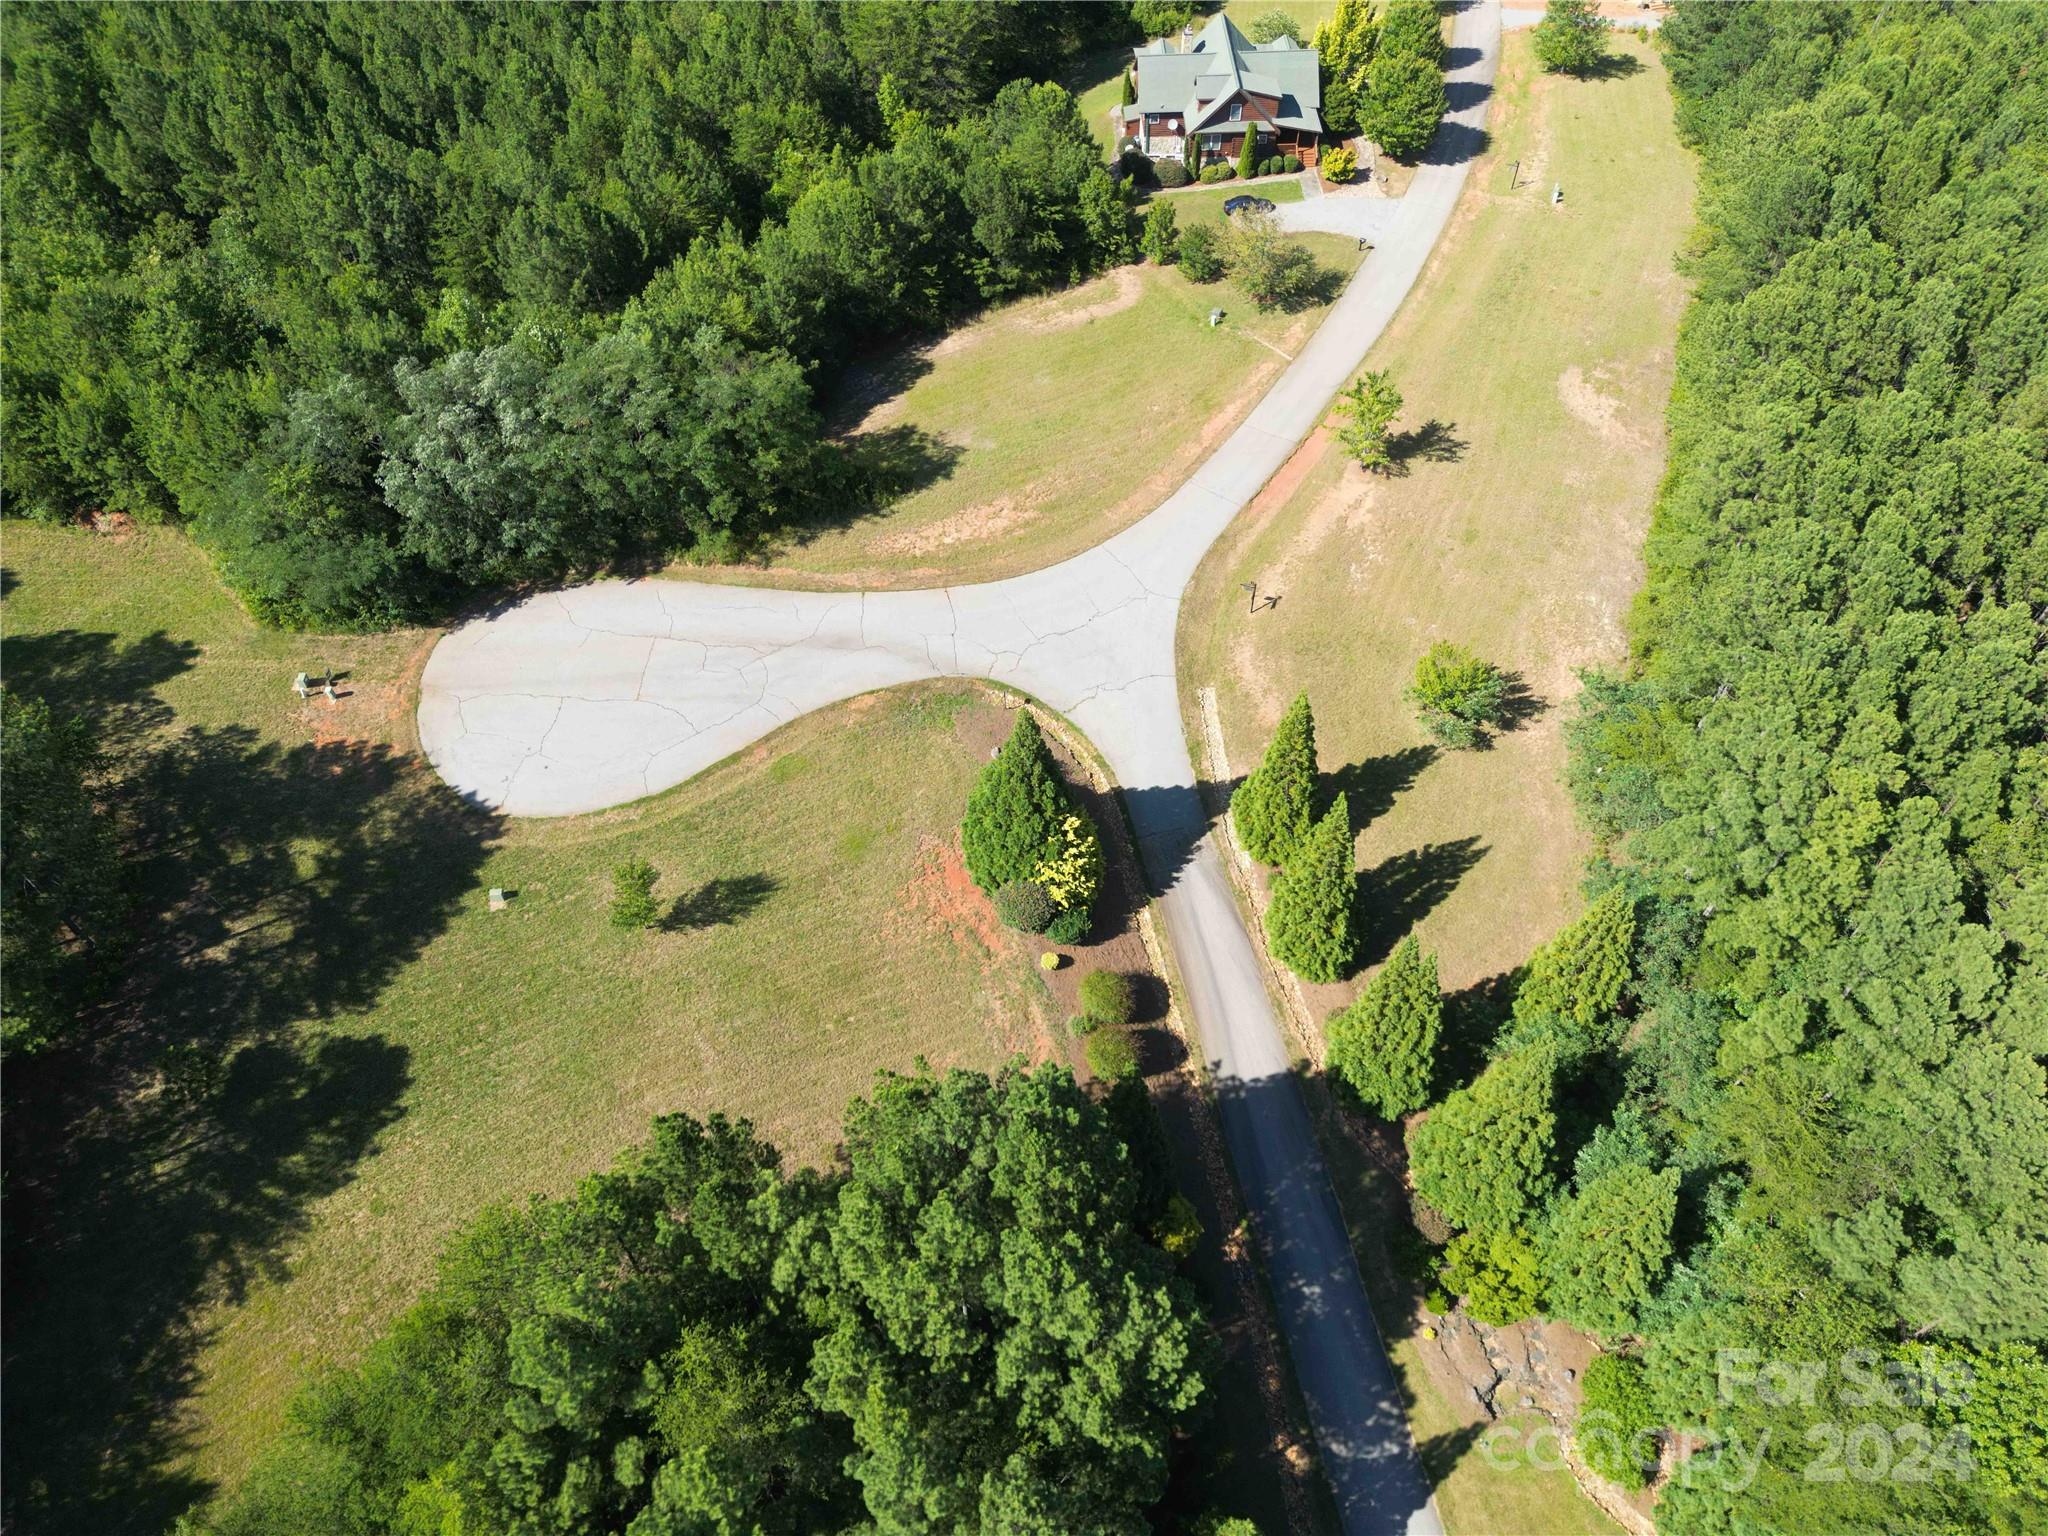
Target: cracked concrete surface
{"type": "Point", "coordinates": [578, 700]}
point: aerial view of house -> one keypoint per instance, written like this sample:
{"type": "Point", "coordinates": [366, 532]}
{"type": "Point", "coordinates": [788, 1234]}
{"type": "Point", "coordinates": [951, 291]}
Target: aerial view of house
{"type": "Point", "coordinates": [1219, 87]}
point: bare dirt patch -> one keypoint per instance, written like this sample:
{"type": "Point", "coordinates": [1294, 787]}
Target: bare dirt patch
{"type": "Point", "coordinates": [969, 524]}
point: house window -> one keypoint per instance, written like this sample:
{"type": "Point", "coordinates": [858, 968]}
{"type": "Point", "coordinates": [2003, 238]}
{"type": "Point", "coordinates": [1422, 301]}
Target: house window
{"type": "Point", "coordinates": [1237, 111]}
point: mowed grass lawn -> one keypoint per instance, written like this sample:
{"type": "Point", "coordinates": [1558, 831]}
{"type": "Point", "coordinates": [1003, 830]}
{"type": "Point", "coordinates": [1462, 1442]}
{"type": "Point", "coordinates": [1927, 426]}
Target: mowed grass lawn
{"type": "Point", "coordinates": [1052, 422]}
{"type": "Point", "coordinates": [1539, 341]}
{"type": "Point", "coordinates": [1538, 344]}
{"type": "Point", "coordinates": [387, 1055]}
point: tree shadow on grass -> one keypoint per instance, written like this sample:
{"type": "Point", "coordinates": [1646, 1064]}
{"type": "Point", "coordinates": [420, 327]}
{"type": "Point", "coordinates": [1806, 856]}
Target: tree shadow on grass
{"type": "Point", "coordinates": [164, 1156]}
{"type": "Point", "coordinates": [1611, 66]}
{"type": "Point", "coordinates": [881, 467]}
{"type": "Point", "coordinates": [1434, 442]}
{"type": "Point", "coordinates": [1371, 787]}
{"type": "Point", "coordinates": [1399, 892]}
{"type": "Point", "coordinates": [719, 901]}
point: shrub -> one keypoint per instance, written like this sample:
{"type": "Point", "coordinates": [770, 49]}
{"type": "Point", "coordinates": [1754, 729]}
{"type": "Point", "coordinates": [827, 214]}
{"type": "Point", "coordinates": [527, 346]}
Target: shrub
{"type": "Point", "coordinates": [1111, 1056]}
{"type": "Point", "coordinates": [1170, 173]}
{"type": "Point", "coordinates": [1290, 163]}
{"type": "Point", "coordinates": [1180, 1229]}
{"type": "Point", "coordinates": [1248, 155]}
{"type": "Point", "coordinates": [1106, 997]}
{"type": "Point", "coordinates": [1617, 1427]}
{"type": "Point", "coordinates": [1162, 234]}
{"type": "Point", "coordinates": [1223, 170]}
{"type": "Point", "coordinates": [1071, 868]}
{"type": "Point", "coordinates": [633, 904]}
{"type": "Point", "coordinates": [1201, 256]}
{"type": "Point", "coordinates": [1428, 1221]}
{"type": "Point", "coordinates": [1024, 906]}
{"type": "Point", "coordinates": [1081, 1026]}
{"type": "Point", "coordinates": [1456, 695]}
{"type": "Point", "coordinates": [1271, 166]}
{"type": "Point", "coordinates": [1136, 165]}
{"type": "Point", "coordinates": [1051, 960]}
{"type": "Point", "coordinates": [1070, 926]}
{"type": "Point", "coordinates": [1340, 164]}
{"type": "Point", "coordinates": [1498, 1274]}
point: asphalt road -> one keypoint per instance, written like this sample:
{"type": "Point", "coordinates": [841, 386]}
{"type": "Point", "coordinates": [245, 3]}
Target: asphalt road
{"type": "Point", "coordinates": [577, 700]}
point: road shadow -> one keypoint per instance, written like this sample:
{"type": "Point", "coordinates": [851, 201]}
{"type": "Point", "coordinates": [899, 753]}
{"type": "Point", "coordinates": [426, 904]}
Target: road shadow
{"type": "Point", "coordinates": [1454, 142]}
{"type": "Point", "coordinates": [163, 1156]}
{"type": "Point", "coordinates": [1371, 786]}
{"type": "Point", "coordinates": [1399, 892]}
{"type": "Point", "coordinates": [719, 901]}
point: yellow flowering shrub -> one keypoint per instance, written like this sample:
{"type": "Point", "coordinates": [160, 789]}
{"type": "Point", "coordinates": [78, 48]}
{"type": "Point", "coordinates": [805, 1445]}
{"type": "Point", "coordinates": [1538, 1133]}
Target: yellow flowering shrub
{"type": "Point", "coordinates": [1071, 871]}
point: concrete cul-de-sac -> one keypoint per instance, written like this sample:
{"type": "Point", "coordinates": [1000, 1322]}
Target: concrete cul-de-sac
{"type": "Point", "coordinates": [586, 698]}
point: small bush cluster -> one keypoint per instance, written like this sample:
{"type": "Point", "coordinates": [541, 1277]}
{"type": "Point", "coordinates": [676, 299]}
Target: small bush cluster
{"type": "Point", "coordinates": [1106, 997]}
{"type": "Point", "coordinates": [1290, 164]}
{"type": "Point", "coordinates": [1170, 173]}
{"type": "Point", "coordinates": [1616, 1432]}
{"type": "Point", "coordinates": [1111, 1056]}
{"type": "Point", "coordinates": [1200, 254]}
{"type": "Point", "coordinates": [1222, 171]}
{"type": "Point", "coordinates": [1456, 695]}
{"type": "Point", "coordinates": [1022, 834]}
{"type": "Point", "coordinates": [1024, 906]}
{"type": "Point", "coordinates": [633, 904]}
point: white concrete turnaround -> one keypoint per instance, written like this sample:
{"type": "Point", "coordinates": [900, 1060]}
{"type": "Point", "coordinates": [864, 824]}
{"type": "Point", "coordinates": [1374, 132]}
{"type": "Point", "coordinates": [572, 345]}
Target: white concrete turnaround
{"type": "Point", "coordinates": [591, 697]}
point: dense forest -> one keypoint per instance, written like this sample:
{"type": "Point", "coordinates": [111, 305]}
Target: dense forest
{"type": "Point", "coordinates": [388, 302]}
{"type": "Point", "coordinates": [1825, 789]}
{"type": "Point", "coordinates": [962, 1327]}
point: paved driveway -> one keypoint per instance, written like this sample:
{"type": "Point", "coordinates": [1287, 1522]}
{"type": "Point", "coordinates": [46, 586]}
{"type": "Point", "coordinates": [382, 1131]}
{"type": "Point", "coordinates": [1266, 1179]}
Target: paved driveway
{"type": "Point", "coordinates": [591, 697]}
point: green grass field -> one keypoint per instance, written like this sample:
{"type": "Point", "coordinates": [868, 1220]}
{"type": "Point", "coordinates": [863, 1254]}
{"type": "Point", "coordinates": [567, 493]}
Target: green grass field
{"type": "Point", "coordinates": [1535, 358]}
{"type": "Point", "coordinates": [385, 1054]}
{"type": "Point", "coordinates": [1056, 421]}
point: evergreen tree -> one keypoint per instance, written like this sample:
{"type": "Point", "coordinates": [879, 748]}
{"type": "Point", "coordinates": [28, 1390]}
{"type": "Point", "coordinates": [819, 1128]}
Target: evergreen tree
{"type": "Point", "coordinates": [1248, 153]}
{"type": "Point", "coordinates": [1311, 922]}
{"type": "Point", "coordinates": [1483, 1156]}
{"type": "Point", "coordinates": [1402, 104]}
{"type": "Point", "coordinates": [1384, 1044]}
{"type": "Point", "coordinates": [1191, 152]}
{"type": "Point", "coordinates": [1161, 237]}
{"type": "Point", "coordinates": [1608, 1247]}
{"type": "Point", "coordinates": [1130, 89]}
{"type": "Point", "coordinates": [1572, 38]}
{"type": "Point", "coordinates": [1015, 811]}
{"type": "Point", "coordinates": [1200, 260]}
{"type": "Point", "coordinates": [1575, 983]}
{"type": "Point", "coordinates": [1499, 1275]}
{"type": "Point", "coordinates": [1275, 804]}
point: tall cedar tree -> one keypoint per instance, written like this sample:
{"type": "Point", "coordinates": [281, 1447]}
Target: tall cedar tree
{"type": "Point", "coordinates": [1312, 924]}
{"type": "Point", "coordinates": [1384, 1044]}
{"type": "Point", "coordinates": [1014, 811]}
{"type": "Point", "coordinates": [1483, 1156]}
{"type": "Point", "coordinates": [1575, 983]}
{"type": "Point", "coordinates": [1275, 804]}
{"type": "Point", "coordinates": [1248, 153]}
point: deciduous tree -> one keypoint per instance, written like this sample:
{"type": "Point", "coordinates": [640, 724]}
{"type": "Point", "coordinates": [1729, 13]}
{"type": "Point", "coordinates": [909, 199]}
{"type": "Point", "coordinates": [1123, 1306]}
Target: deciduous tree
{"type": "Point", "coordinates": [1366, 411]}
{"type": "Point", "coordinates": [1571, 38]}
{"type": "Point", "coordinates": [1403, 102]}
